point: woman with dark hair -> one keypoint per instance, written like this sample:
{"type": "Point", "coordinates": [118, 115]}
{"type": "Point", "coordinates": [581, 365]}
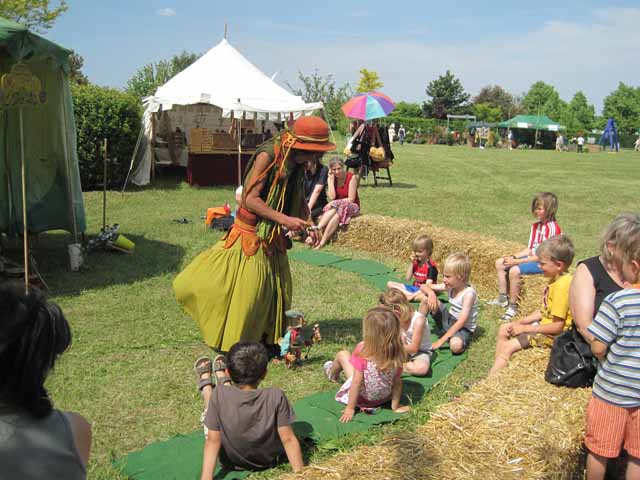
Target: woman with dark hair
{"type": "Point", "coordinates": [315, 186]}
{"type": "Point", "coordinates": [36, 440]}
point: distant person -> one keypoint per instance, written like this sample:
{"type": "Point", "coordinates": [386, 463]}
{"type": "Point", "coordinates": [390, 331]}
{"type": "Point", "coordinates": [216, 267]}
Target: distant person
{"type": "Point", "coordinates": [559, 143]}
{"type": "Point", "coordinates": [245, 426]}
{"type": "Point", "coordinates": [315, 186]}
{"type": "Point", "coordinates": [510, 139]}
{"type": "Point", "coordinates": [392, 132]}
{"type": "Point", "coordinates": [580, 143]}
{"type": "Point", "coordinates": [637, 144]}
{"type": "Point", "coordinates": [401, 134]}
{"type": "Point", "coordinates": [36, 440]}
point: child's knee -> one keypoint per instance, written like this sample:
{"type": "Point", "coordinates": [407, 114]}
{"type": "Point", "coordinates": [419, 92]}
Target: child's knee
{"type": "Point", "coordinates": [456, 345]}
{"type": "Point", "coordinates": [503, 331]}
{"type": "Point", "coordinates": [343, 354]}
{"type": "Point", "coordinates": [514, 273]}
{"type": "Point", "coordinates": [500, 264]}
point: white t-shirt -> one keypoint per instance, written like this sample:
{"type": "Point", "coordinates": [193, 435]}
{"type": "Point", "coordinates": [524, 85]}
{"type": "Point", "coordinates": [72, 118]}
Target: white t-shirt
{"type": "Point", "coordinates": [580, 140]}
{"type": "Point", "coordinates": [425, 343]}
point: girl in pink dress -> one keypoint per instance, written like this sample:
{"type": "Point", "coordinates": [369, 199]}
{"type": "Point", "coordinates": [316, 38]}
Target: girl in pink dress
{"type": "Point", "coordinates": [373, 370]}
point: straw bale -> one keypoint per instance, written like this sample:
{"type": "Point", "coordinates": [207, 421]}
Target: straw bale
{"type": "Point", "coordinates": [392, 237]}
{"type": "Point", "coordinates": [512, 425]}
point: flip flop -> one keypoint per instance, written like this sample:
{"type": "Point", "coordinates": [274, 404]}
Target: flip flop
{"type": "Point", "coordinates": [201, 366]}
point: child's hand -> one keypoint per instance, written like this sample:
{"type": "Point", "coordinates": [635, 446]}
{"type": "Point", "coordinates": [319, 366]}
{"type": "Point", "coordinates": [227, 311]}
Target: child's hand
{"type": "Point", "coordinates": [436, 345]}
{"type": "Point", "coordinates": [516, 329]}
{"type": "Point", "coordinates": [402, 409]}
{"type": "Point", "coordinates": [509, 262]}
{"type": "Point", "coordinates": [347, 415]}
{"type": "Point", "coordinates": [432, 301]}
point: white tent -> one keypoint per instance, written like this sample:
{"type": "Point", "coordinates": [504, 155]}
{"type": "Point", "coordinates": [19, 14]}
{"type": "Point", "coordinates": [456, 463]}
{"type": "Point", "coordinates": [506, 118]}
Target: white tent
{"type": "Point", "coordinates": [222, 84]}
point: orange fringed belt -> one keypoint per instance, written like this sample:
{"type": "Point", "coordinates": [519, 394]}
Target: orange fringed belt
{"type": "Point", "coordinates": [244, 227]}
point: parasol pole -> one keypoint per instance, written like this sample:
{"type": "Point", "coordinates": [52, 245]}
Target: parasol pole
{"type": "Point", "coordinates": [239, 133]}
{"type": "Point", "coordinates": [25, 240]}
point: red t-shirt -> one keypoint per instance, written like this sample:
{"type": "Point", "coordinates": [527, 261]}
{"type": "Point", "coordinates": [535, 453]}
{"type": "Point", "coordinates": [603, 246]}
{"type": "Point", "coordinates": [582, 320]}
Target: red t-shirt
{"type": "Point", "coordinates": [343, 191]}
{"type": "Point", "coordinates": [427, 271]}
{"type": "Point", "coordinates": [541, 232]}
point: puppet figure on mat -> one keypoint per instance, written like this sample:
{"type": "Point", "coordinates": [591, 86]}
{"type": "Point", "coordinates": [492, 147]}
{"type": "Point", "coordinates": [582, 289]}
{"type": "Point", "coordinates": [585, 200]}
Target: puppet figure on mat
{"type": "Point", "coordinates": [297, 338]}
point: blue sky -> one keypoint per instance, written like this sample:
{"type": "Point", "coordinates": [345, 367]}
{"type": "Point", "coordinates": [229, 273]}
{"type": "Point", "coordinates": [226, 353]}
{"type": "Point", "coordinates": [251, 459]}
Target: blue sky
{"type": "Point", "coordinates": [587, 45]}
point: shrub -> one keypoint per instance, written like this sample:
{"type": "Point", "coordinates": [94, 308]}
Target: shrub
{"type": "Point", "coordinates": [101, 113]}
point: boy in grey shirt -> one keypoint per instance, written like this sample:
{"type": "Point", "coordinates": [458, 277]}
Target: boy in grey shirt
{"type": "Point", "coordinates": [246, 426]}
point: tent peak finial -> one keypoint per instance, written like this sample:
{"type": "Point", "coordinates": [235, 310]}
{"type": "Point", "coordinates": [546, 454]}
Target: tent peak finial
{"type": "Point", "coordinates": [225, 30]}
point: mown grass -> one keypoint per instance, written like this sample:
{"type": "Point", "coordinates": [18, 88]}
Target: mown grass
{"type": "Point", "coordinates": [129, 369]}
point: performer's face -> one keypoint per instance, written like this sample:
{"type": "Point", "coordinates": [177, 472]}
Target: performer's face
{"type": "Point", "coordinates": [302, 156]}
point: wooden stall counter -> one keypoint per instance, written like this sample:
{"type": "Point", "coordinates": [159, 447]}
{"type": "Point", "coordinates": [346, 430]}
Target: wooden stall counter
{"type": "Point", "coordinates": [219, 167]}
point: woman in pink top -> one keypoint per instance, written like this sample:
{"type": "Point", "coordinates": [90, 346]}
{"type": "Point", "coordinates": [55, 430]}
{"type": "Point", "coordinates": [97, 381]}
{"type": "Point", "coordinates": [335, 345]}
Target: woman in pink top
{"type": "Point", "coordinates": [344, 203]}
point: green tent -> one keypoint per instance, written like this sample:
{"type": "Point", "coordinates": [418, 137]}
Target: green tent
{"type": "Point", "coordinates": [532, 122]}
{"type": "Point", "coordinates": [54, 195]}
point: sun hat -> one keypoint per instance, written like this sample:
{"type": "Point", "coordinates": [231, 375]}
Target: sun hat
{"type": "Point", "coordinates": [312, 134]}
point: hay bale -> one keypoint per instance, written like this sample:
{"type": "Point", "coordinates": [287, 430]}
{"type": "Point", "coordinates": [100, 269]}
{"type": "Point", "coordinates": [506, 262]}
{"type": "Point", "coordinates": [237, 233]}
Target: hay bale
{"type": "Point", "coordinates": [513, 425]}
{"type": "Point", "coordinates": [392, 237]}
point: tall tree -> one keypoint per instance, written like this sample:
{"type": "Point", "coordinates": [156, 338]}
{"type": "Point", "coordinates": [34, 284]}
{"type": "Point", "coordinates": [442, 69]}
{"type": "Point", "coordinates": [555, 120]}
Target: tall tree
{"type": "Point", "coordinates": [543, 99]}
{"type": "Point", "coordinates": [37, 15]}
{"type": "Point", "coordinates": [76, 62]}
{"type": "Point", "coordinates": [369, 81]}
{"type": "Point", "coordinates": [447, 97]}
{"type": "Point", "coordinates": [583, 113]}
{"type": "Point", "coordinates": [319, 88]}
{"type": "Point", "coordinates": [623, 105]}
{"type": "Point", "coordinates": [153, 75]}
{"type": "Point", "coordinates": [406, 109]}
{"type": "Point", "coordinates": [496, 96]}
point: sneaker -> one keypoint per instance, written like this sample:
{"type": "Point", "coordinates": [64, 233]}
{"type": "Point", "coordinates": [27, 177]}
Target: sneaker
{"type": "Point", "coordinates": [509, 314]}
{"type": "Point", "coordinates": [327, 371]}
{"type": "Point", "coordinates": [499, 302]}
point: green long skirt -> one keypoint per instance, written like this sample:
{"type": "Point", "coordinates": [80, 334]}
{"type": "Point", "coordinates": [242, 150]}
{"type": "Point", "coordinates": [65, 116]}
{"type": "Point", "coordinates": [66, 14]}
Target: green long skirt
{"type": "Point", "coordinates": [234, 297]}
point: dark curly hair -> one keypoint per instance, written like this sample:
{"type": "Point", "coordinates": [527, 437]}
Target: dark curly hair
{"type": "Point", "coordinates": [247, 362]}
{"type": "Point", "coordinates": [33, 333]}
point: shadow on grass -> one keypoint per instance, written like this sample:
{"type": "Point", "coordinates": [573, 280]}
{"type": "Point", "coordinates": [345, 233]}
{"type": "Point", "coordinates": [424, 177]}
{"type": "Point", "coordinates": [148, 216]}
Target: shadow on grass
{"type": "Point", "coordinates": [101, 268]}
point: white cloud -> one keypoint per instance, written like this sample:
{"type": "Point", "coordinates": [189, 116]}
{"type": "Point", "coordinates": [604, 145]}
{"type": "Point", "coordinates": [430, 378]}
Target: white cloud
{"type": "Point", "coordinates": [592, 56]}
{"type": "Point", "coordinates": [166, 12]}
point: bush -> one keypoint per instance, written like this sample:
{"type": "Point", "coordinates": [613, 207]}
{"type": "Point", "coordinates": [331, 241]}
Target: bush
{"type": "Point", "coordinates": [101, 113]}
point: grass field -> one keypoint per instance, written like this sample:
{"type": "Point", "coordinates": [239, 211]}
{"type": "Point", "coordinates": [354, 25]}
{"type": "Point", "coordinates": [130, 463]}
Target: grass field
{"type": "Point", "coordinates": [129, 368]}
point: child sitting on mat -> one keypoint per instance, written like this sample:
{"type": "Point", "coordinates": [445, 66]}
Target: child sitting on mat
{"type": "Point", "coordinates": [542, 326]}
{"type": "Point", "coordinates": [422, 269]}
{"type": "Point", "coordinates": [456, 320]}
{"type": "Point", "coordinates": [415, 331]}
{"type": "Point", "coordinates": [373, 369]}
{"type": "Point", "coordinates": [245, 426]}
{"type": "Point", "coordinates": [511, 268]}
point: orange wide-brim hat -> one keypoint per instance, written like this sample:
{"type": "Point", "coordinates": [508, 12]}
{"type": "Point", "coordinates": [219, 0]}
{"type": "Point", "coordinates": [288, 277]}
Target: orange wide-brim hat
{"type": "Point", "coordinates": [312, 134]}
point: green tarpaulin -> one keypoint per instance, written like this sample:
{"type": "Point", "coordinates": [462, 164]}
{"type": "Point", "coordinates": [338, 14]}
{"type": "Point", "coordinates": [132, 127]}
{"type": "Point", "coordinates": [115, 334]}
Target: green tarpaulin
{"type": "Point", "coordinates": [54, 194]}
{"type": "Point", "coordinates": [532, 122]}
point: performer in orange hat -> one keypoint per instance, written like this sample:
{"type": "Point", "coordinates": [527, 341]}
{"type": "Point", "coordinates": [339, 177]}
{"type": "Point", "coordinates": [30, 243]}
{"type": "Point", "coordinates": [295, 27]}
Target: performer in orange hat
{"type": "Point", "coordinates": [240, 288]}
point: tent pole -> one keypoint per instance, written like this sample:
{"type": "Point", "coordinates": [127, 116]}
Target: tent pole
{"type": "Point", "coordinates": [239, 151]}
{"type": "Point", "coordinates": [65, 146]}
{"type": "Point", "coordinates": [153, 154]}
{"type": "Point", "coordinates": [25, 239]}
{"type": "Point", "coordinates": [133, 157]}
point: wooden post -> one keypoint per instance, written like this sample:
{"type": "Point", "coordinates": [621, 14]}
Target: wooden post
{"type": "Point", "coordinates": [25, 234]}
{"type": "Point", "coordinates": [104, 187]}
{"type": "Point", "coordinates": [239, 151]}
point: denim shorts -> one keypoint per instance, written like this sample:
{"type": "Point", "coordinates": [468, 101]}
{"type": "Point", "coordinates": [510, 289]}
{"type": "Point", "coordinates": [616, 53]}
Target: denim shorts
{"type": "Point", "coordinates": [411, 288]}
{"type": "Point", "coordinates": [530, 268]}
{"type": "Point", "coordinates": [444, 321]}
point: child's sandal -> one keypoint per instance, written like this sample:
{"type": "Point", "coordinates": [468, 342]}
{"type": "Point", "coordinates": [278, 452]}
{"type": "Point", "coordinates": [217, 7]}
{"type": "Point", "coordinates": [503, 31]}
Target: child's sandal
{"type": "Point", "coordinates": [201, 366]}
{"type": "Point", "coordinates": [219, 365]}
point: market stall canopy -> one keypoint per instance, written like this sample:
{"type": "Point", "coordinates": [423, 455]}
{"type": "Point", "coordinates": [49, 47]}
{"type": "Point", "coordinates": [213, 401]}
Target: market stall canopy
{"type": "Point", "coordinates": [225, 78]}
{"type": "Point", "coordinates": [53, 191]}
{"type": "Point", "coordinates": [532, 122]}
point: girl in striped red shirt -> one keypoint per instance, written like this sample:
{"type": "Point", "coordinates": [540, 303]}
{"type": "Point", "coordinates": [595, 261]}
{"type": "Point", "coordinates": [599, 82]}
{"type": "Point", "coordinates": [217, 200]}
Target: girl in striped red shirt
{"type": "Point", "coordinates": [510, 268]}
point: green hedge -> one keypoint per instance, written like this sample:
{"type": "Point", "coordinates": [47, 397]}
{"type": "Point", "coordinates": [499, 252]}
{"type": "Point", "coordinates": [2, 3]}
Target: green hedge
{"type": "Point", "coordinates": [101, 113]}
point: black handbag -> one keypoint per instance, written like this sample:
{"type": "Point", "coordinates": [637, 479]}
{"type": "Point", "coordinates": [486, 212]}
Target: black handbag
{"type": "Point", "coordinates": [571, 363]}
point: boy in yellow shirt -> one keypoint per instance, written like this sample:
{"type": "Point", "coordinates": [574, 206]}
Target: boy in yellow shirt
{"type": "Point", "coordinates": [542, 326]}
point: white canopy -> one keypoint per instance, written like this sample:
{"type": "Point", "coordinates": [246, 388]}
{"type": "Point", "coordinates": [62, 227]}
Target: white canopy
{"type": "Point", "coordinates": [225, 78]}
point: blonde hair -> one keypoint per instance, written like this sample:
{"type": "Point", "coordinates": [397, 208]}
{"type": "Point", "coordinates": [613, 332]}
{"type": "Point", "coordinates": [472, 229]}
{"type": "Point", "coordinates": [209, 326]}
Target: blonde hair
{"type": "Point", "coordinates": [558, 248]}
{"type": "Point", "coordinates": [397, 301]}
{"type": "Point", "coordinates": [459, 265]}
{"type": "Point", "coordinates": [621, 232]}
{"type": "Point", "coordinates": [423, 243]}
{"type": "Point", "coordinates": [382, 340]}
{"type": "Point", "coordinates": [550, 203]}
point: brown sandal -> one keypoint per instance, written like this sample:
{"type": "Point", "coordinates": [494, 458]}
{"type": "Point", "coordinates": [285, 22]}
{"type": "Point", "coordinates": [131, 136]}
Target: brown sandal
{"type": "Point", "coordinates": [219, 365]}
{"type": "Point", "coordinates": [201, 366]}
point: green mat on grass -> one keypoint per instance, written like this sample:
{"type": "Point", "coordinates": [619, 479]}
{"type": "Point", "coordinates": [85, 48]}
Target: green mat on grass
{"type": "Point", "coordinates": [317, 416]}
{"type": "Point", "coordinates": [363, 267]}
{"type": "Point", "coordinates": [313, 257]}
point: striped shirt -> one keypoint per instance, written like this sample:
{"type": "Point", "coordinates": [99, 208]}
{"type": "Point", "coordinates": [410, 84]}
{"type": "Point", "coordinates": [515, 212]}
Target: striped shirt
{"type": "Point", "coordinates": [455, 307]}
{"type": "Point", "coordinates": [617, 325]}
{"type": "Point", "coordinates": [542, 231]}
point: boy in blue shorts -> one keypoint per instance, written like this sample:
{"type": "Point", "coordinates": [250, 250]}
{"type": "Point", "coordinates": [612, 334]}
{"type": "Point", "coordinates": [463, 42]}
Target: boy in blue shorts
{"type": "Point", "coordinates": [422, 269]}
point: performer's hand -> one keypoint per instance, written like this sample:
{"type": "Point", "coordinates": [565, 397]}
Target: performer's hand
{"type": "Point", "coordinates": [295, 224]}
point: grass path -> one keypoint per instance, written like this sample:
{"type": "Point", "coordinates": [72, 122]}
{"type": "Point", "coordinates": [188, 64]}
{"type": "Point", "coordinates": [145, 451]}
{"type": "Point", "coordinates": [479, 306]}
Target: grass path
{"type": "Point", "coordinates": [129, 368]}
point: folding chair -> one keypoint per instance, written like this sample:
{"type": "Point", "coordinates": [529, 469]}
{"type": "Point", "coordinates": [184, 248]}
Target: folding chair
{"type": "Point", "coordinates": [376, 167]}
